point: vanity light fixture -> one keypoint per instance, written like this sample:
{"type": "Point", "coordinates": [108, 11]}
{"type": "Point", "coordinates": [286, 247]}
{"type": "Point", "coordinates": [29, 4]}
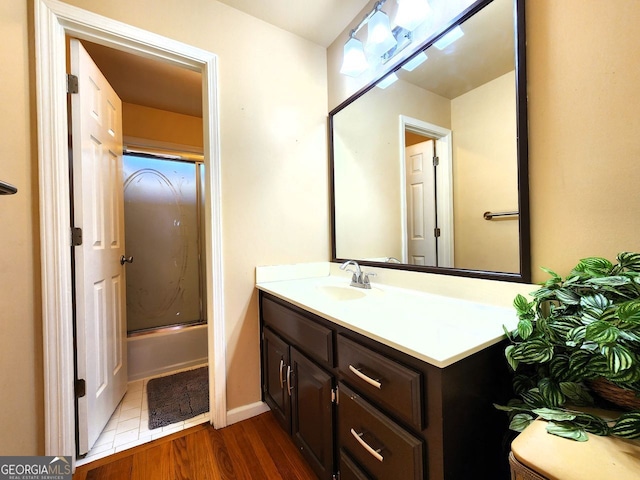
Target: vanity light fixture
{"type": "Point", "coordinates": [383, 42]}
{"type": "Point", "coordinates": [411, 13]}
{"type": "Point", "coordinates": [415, 62]}
{"type": "Point", "coordinates": [386, 81]}
{"type": "Point", "coordinates": [379, 37]}
{"type": "Point", "coordinates": [453, 35]}
{"type": "Point", "coordinates": [354, 61]}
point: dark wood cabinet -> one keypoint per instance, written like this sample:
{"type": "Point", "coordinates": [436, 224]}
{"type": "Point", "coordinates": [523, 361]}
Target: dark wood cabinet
{"type": "Point", "coordinates": [312, 413]}
{"type": "Point", "coordinates": [276, 366]}
{"type": "Point", "coordinates": [395, 417]}
{"type": "Point", "coordinates": [300, 392]}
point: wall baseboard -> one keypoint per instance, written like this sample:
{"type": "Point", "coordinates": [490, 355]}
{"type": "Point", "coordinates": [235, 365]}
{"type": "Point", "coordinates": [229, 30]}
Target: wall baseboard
{"type": "Point", "coordinates": [246, 411]}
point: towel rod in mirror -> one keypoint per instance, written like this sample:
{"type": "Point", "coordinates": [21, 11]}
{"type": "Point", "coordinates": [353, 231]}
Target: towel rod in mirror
{"type": "Point", "coordinates": [7, 188]}
{"type": "Point", "coordinates": [492, 215]}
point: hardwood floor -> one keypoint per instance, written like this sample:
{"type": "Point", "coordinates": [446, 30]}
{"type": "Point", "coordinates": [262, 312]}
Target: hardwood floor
{"type": "Point", "coordinates": [253, 449]}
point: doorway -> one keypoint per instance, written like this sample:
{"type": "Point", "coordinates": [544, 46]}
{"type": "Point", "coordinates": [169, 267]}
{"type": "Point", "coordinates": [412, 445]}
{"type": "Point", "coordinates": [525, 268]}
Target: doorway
{"type": "Point", "coordinates": [54, 20]}
{"type": "Point", "coordinates": [426, 189]}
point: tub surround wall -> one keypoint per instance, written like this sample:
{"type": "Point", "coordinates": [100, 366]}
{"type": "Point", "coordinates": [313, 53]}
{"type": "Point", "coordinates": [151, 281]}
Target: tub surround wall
{"type": "Point", "coordinates": [161, 352]}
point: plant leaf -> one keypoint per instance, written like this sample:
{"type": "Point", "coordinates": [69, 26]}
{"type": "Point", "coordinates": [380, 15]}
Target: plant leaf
{"type": "Point", "coordinates": [619, 357]}
{"type": "Point", "coordinates": [576, 336]}
{"type": "Point", "coordinates": [591, 423]}
{"type": "Point", "coordinates": [569, 431]}
{"type": "Point", "coordinates": [508, 353]}
{"type": "Point", "coordinates": [568, 297]}
{"type": "Point", "coordinates": [576, 393]}
{"type": "Point", "coordinates": [553, 414]}
{"type": "Point", "coordinates": [629, 260]}
{"type": "Point", "coordinates": [536, 350]}
{"type": "Point", "coordinates": [522, 383]}
{"type": "Point", "coordinates": [551, 392]}
{"type": "Point", "coordinates": [629, 312]}
{"type": "Point", "coordinates": [532, 397]}
{"type": "Point", "coordinates": [601, 332]}
{"type": "Point", "coordinates": [627, 425]}
{"type": "Point", "coordinates": [520, 421]}
{"type": "Point", "coordinates": [594, 266]}
{"type": "Point", "coordinates": [597, 301]}
{"type": "Point", "coordinates": [559, 367]}
{"type": "Point", "coordinates": [525, 328]}
{"type": "Point", "coordinates": [613, 281]}
{"type": "Point", "coordinates": [521, 304]}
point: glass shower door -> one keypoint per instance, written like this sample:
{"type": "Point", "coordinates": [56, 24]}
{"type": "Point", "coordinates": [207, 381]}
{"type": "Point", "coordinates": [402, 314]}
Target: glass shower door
{"type": "Point", "coordinates": [162, 233]}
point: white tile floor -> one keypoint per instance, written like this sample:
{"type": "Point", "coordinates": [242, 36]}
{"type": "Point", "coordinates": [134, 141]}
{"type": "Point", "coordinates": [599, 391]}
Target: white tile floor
{"type": "Point", "coordinates": [129, 424]}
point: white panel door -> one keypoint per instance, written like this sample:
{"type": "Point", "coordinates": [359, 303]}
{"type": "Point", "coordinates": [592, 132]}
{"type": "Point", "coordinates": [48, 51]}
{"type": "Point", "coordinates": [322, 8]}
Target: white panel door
{"type": "Point", "coordinates": [421, 208]}
{"type": "Point", "coordinates": [96, 113]}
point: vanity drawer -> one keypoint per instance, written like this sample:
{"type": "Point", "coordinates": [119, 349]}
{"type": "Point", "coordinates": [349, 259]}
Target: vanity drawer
{"type": "Point", "coordinates": [311, 337]}
{"type": "Point", "coordinates": [377, 443]}
{"type": "Point", "coordinates": [393, 385]}
{"type": "Point", "coordinates": [349, 470]}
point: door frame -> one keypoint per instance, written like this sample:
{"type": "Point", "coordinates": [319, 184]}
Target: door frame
{"type": "Point", "coordinates": [53, 20]}
{"type": "Point", "coordinates": [444, 185]}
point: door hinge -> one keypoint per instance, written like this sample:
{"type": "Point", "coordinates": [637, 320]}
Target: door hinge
{"type": "Point", "coordinates": [436, 232]}
{"type": "Point", "coordinates": [334, 395]}
{"type": "Point", "coordinates": [72, 83]}
{"type": "Point", "coordinates": [80, 388]}
{"type": "Point", "coordinates": [76, 236]}
{"type": "Point", "coordinates": [436, 161]}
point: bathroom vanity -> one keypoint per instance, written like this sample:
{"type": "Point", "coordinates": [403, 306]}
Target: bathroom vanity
{"type": "Point", "coordinates": [387, 383]}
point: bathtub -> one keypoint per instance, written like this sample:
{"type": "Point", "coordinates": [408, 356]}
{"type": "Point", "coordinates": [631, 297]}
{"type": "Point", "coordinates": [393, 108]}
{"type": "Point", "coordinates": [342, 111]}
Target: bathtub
{"type": "Point", "coordinates": [165, 351]}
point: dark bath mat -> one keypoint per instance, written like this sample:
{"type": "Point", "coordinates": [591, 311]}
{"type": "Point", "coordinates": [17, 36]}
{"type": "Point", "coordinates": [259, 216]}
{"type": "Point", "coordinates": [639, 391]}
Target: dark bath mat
{"type": "Point", "coordinates": [178, 397]}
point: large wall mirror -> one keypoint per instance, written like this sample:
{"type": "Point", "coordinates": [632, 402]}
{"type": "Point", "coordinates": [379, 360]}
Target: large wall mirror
{"type": "Point", "coordinates": [430, 173]}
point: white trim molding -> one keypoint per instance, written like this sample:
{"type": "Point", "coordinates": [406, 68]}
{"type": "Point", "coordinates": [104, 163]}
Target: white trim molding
{"type": "Point", "coordinates": [53, 20]}
{"type": "Point", "coordinates": [444, 186]}
{"type": "Point", "coordinates": [239, 414]}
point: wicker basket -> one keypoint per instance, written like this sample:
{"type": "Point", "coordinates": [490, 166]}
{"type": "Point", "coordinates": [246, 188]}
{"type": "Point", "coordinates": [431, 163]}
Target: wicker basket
{"type": "Point", "coordinates": [617, 395]}
{"type": "Point", "coordinates": [520, 472]}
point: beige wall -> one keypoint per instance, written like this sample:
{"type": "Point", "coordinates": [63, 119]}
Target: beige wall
{"type": "Point", "coordinates": [583, 78]}
{"type": "Point", "coordinates": [21, 377]}
{"type": "Point", "coordinates": [485, 176]}
{"type": "Point", "coordinates": [161, 126]}
{"type": "Point", "coordinates": [274, 186]}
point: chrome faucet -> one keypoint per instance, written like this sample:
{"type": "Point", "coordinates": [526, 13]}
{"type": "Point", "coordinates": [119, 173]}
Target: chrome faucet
{"type": "Point", "coordinates": [359, 278]}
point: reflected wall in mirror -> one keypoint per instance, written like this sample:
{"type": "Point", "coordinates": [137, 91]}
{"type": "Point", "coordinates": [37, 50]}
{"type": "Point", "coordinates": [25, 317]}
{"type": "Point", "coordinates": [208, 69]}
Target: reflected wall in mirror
{"type": "Point", "coordinates": [416, 165]}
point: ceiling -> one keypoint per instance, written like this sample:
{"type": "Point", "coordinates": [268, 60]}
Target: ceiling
{"type": "Point", "coordinates": [319, 21]}
{"type": "Point", "coordinates": [155, 84]}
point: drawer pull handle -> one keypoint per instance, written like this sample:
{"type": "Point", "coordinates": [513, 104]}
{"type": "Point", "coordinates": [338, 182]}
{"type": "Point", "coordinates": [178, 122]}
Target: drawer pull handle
{"type": "Point", "coordinates": [364, 377]}
{"type": "Point", "coordinates": [281, 377]}
{"type": "Point", "coordinates": [366, 446]}
{"type": "Point", "coordinates": [289, 379]}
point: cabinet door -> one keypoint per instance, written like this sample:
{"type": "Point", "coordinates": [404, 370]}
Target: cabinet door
{"type": "Point", "coordinates": [312, 414]}
{"type": "Point", "coordinates": [276, 363]}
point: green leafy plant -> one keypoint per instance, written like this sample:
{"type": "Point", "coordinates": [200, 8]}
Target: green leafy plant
{"type": "Point", "coordinates": [579, 330]}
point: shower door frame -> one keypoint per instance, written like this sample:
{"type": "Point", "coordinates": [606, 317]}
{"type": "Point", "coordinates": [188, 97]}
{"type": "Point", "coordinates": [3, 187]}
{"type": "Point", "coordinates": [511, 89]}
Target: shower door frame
{"type": "Point", "coordinates": [53, 20]}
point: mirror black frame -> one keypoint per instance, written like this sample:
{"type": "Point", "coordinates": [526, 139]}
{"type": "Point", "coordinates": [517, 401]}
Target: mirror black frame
{"type": "Point", "coordinates": [524, 276]}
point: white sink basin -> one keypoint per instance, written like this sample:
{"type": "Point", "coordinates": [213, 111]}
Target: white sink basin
{"type": "Point", "coordinates": [335, 292]}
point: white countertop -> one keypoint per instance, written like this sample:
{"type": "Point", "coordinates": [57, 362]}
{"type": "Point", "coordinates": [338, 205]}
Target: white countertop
{"type": "Point", "coordinates": [435, 328]}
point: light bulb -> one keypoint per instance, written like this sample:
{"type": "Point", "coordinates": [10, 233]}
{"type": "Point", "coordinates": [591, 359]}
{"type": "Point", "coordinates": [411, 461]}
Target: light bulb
{"type": "Point", "coordinates": [379, 38]}
{"type": "Point", "coordinates": [411, 13]}
{"type": "Point", "coordinates": [354, 61]}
